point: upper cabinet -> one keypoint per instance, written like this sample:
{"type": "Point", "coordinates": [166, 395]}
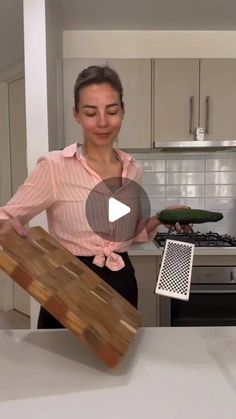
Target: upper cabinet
{"type": "Point", "coordinates": [218, 98]}
{"type": "Point", "coordinates": [176, 96]}
{"type": "Point", "coordinates": [135, 75]}
{"type": "Point", "coordinates": [165, 99]}
{"type": "Point", "coordinates": [194, 93]}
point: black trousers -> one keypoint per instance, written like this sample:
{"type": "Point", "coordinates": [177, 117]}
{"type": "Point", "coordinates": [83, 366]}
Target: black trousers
{"type": "Point", "coordinates": [123, 281]}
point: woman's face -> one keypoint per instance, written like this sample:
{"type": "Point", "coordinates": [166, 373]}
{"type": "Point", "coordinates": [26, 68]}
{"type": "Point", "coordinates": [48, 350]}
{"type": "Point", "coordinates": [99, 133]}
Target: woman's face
{"type": "Point", "coordinates": [100, 114]}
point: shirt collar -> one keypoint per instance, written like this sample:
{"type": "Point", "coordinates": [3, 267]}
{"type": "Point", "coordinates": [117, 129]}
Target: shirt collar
{"type": "Point", "coordinates": [77, 149]}
{"type": "Point", "coordinates": [125, 157]}
{"type": "Point", "coordinates": [70, 150]}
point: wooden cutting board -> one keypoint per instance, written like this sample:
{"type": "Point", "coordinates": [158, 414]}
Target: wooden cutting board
{"type": "Point", "coordinates": [77, 297]}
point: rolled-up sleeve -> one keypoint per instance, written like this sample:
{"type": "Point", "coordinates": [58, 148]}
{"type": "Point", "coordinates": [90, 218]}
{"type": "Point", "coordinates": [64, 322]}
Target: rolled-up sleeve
{"type": "Point", "coordinates": [35, 195]}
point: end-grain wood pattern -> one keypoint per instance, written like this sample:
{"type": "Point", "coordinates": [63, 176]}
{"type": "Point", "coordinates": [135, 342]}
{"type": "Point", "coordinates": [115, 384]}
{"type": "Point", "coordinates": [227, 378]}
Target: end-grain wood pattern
{"type": "Point", "coordinates": [71, 292]}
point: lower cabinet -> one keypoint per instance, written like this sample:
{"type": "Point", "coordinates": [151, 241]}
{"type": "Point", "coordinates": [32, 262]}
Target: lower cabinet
{"type": "Point", "coordinates": [146, 273]}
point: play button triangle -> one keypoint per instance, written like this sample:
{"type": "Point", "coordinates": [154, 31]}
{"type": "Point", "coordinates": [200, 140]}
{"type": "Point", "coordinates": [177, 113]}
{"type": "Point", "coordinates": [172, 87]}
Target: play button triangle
{"type": "Point", "coordinates": [117, 209]}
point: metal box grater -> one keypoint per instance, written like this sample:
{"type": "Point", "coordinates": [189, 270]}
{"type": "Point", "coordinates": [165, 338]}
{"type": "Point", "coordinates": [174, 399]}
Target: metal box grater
{"type": "Point", "coordinates": [176, 270]}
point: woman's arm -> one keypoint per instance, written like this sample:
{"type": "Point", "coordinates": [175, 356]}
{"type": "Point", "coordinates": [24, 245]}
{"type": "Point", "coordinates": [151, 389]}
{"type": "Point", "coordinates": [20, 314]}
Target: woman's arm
{"type": "Point", "coordinates": [152, 224]}
{"type": "Point", "coordinates": [36, 194]}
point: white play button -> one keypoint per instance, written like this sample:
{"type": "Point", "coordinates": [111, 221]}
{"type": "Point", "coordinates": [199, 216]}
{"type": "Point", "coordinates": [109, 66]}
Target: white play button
{"type": "Point", "coordinates": [117, 216]}
{"type": "Point", "coordinates": [116, 209]}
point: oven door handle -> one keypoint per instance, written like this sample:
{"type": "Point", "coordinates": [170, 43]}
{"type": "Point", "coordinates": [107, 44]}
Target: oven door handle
{"type": "Point", "coordinates": [213, 291]}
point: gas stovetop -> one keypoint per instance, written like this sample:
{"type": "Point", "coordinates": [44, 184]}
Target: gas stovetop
{"type": "Point", "coordinates": [209, 239]}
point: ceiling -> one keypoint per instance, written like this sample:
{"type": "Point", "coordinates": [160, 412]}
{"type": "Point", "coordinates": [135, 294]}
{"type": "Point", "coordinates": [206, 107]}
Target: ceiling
{"type": "Point", "coordinates": [149, 14]}
{"type": "Point", "coordinates": [117, 15]}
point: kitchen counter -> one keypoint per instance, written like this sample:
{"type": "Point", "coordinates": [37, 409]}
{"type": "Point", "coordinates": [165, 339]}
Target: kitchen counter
{"type": "Point", "coordinates": [203, 256]}
{"type": "Point", "coordinates": [170, 373]}
{"type": "Point", "coordinates": [144, 249]}
{"type": "Point", "coordinates": [150, 249]}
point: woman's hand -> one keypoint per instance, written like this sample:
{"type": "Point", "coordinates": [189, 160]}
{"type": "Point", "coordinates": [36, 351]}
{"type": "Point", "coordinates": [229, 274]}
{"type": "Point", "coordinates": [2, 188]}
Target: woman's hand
{"type": "Point", "coordinates": [177, 227]}
{"type": "Point", "coordinates": [13, 224]}
{"type": "Point", "coordinates": [154, 222]}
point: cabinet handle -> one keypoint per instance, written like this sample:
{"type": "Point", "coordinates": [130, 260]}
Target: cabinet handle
{"type": "Point", "coordinates": [207, 115]}
{"type": "Point", "coordinates": [191, 114]}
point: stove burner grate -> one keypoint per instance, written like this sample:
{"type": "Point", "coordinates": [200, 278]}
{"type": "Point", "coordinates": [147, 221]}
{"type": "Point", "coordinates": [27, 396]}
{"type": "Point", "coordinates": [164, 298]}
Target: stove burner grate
{"type": "Point", "coordinates": [209, 239]}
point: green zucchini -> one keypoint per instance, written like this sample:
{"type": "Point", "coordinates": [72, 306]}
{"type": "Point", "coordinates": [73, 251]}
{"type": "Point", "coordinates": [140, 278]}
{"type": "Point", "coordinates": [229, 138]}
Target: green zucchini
{"type": "Point", "coordinates": [188, 216]}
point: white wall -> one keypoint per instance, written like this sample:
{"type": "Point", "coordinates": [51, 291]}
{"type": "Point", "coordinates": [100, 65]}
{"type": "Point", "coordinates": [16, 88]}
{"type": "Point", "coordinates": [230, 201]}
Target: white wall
{"type": "Point", "coordinates": [54, 73]}
{"type": "Point", "coordinates": [6, 285]}
{"type": "Point", "coordinates": [149, 44]}
{"type": "Point", "coordinates": [35, 80]}
{"type": "Point", "coordinates": [36, 96]}
{"type": "Point", "coordinates": [5, 171]}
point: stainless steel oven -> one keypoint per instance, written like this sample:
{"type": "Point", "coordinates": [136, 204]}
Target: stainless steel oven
{"type": "Point", "coordinates": [212, 299]}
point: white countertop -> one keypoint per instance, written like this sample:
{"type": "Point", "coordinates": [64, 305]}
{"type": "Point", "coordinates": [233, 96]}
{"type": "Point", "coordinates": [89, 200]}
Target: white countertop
{"type": "Point", "coordinates": [150, 249]}
{"type": "Point", "coordinates": [169, 373]}
{"type": "Point", "coordinates": [144, 249]}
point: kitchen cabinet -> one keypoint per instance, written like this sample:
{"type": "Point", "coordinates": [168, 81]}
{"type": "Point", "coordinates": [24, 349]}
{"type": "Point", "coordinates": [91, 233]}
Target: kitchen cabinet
{"type": "Point", "coordinates": [191, 93]}
{"type": "Point", "coordinates": [146, 274]}
{"type": "Point", "coordinates": [164, 98]}
{"type": "Point", "coordinates": [218, 98]}
{"type": "Point", "coordinates": [176, 87]}
{"type": "Point", "coordinates": [135, 75]}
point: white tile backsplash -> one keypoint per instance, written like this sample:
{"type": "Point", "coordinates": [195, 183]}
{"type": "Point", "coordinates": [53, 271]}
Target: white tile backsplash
{"type": "Point", "coordinates": [155, 191]}
{"type": "Point", "coordinates": [185, 165]}
{"type": "Point", "coordinates": [219, 165]}
{"type": "Point", "coordinates": [220, 190]}
{"type": "Point", "coordinates": [206, 181]}
{"type": "Point", "coordinates": [185, 191]}
{"type": "Point", "coordinates": [157, 204]}
{"type": "Point", "coordinates": [154, 178]}
{"type": "Point", "coordinates": [197, 203]}
{"type": "Point", "coordinates": [221, 178]}
{"type": "Point", "coordinates": [153, 165]}
{"type": "Point", "coordinates": [216, 204]}
{"type": "Point", "coordinates": [190, 178]}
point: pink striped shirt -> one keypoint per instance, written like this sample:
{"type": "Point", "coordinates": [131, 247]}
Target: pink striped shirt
{"type": "Point", "coordinates": [60, 184]}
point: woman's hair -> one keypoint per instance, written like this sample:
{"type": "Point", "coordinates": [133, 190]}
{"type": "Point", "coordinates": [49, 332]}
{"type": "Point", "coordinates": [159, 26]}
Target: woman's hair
{"type": "Point", "coordinates": [97, 75]}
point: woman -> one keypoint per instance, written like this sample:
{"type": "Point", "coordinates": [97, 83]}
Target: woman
{"type": "Point", "coordinates": [62, 180]}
